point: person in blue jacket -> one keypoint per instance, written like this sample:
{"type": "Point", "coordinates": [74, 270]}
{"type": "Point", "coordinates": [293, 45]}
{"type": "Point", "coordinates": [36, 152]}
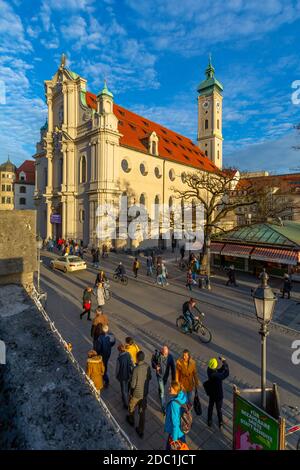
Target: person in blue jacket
{"type": "Point", "coordinates": [173, 414]}
{"type": "Point", "coordinates": [104, 345]}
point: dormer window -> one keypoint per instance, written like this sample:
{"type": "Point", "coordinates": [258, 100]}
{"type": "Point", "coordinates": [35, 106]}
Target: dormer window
{"type": "Point", "coordinates": [22, 176]}
{"type": "Point", "coordinates": [153, 143]}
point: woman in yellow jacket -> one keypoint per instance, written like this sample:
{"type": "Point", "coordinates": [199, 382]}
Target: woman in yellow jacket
{"type": "Point", "coordinates": [186, 374]}
{"type": "Point", "coordinates": [95, 369]}
{"type": "Point", "coordinates": [132, 348]}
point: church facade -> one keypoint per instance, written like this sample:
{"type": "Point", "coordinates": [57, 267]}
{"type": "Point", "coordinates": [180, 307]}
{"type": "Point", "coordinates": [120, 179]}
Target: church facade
{"type": "Point", "coordinates": [92, 151]}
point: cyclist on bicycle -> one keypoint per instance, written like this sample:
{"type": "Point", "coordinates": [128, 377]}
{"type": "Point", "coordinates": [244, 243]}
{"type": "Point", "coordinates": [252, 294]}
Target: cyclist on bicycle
{"type": "Point", "coordinates": [188, 315]}
{"type": "Point", "coordinates": [120, 270]}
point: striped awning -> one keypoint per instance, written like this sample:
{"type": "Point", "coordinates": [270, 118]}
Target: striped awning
{"type": "Point", "coordinates": [275, 255]}
{"type": "Point", "coordinates": [216, 247]}
{"type": "Point", "coordinates": [241, 251]}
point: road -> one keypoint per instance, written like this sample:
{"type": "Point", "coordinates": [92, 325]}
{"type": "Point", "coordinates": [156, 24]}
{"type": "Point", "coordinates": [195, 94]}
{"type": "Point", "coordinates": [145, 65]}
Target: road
{"type": "Point", "coordinates": [148, 313]}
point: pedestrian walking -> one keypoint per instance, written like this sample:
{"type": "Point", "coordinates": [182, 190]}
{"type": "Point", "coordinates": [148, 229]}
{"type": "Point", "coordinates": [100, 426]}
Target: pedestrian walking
{"type": "Point", "coordinates": [139, 388]}
{"type": "Point", "coordinates": [97, 256]}
{"type": "Point", "coordinates": [182, 252]}
{"type": "Point", "coordinates": [186, 374]}
{"type": "Point", "coordinates": [100, 295]}
{"type": "Point", "coordinates": [101, 277]}
{"type": "Point", "coordinates": [124, 369]}
{"type": "Point", "coordinates": [173, 417]}
{"type": "Point", "coordinates": [287, 286]}
{"type": "Point", "coordinates": [97, 326]}
{"type": "Point", "coordinates": [95, 369]}
{"type": "Point", "coordinates": [231, 276]}
{"type": "Point", "coordinates": [136, 267]}
{"type": "Point", "coordinates": [149, 263]}
{"type": "Point", "coordinates": [159, 274]}
{"type": "Point", "coordinates": [164, 275]}
{"type": "Point", "coordinates": [87, 303]}
{"type": "Point", "coordinates": [132, 348]}
{"type": "Point", "coordinates": [189, 279]}
{"type": "Point", "coordinates": [214, 388]}
{"type": "Point", "coordinates": [163, 362]}
{"type": "Point", "coordinates": [104, 345]}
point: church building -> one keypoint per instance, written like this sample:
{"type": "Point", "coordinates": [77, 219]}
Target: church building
{"type": "Point", "coordinates": [92, 151]}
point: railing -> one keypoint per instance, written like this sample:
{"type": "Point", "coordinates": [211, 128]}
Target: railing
{"type": "Point", "coordinates": [36, 298]}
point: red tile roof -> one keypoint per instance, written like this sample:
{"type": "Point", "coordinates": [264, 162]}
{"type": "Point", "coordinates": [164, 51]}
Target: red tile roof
{"type": "Point", "coordinates": [28, 168]}
{"type": "Point", "coordinates": [285, 183]}
{"type": "Point", "coordinates": [136, 129]}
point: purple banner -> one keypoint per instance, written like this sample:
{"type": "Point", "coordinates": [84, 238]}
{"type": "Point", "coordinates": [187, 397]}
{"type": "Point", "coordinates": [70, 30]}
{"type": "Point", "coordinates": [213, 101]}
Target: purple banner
{"type": "Point", "coordinates": [55, 219]}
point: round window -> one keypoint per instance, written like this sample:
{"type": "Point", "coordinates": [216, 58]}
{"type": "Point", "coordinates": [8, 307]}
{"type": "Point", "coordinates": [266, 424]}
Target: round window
{"type": "Point", "coordinates": [157, 172]}
{"type": "Point", "coordinates": [125, 166]}
{"type": "Point", "coordinates": [143, 169]}
{"type": "Point", "coordinates": [172, 175]}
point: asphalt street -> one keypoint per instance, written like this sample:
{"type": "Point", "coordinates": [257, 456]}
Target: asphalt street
{"type": "Point", "coordinates": [148, 312]}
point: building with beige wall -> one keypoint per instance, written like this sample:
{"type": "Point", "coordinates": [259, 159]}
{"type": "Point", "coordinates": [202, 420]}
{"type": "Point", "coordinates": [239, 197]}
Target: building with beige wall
{"type": "Point", "coordinates": [92, 151]}
{"type": "Point", "coordinates": [7, 178]}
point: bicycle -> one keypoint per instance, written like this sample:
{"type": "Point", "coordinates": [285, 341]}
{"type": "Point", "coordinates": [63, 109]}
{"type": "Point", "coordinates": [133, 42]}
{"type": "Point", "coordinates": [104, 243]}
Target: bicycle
{"type": "Point", "coordinates": [121, 278]}
{"type": "Point", "coordinates": [198, 327]}
{"type": "Point", "coordinates": [294, 428]}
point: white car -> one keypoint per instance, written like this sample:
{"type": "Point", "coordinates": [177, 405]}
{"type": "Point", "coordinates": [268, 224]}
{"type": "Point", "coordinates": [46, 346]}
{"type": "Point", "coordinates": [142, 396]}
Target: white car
{"type": "Point", "coordinates": [68, 263]}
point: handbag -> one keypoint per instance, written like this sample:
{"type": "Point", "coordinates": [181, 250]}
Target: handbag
{"type": "Point", "coordinates": [87, 305]}
{"type": "Point", "coordinates": [197, 404]}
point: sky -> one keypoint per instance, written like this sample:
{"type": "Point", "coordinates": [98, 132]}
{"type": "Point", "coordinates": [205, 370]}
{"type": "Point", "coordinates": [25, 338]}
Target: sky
{"type": "Point", "coordinates": [153, 55]}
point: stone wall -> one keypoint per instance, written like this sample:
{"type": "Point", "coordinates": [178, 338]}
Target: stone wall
{"type": "Point", "coordinates": [18, 252]}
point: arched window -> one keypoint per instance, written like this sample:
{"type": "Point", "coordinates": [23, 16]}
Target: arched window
{"type": "Point", "coordinates": [22, 189]}
{"type": "Point", "coordinates": [171, 202]}
{"type": "Point", "coordinates": [154, 148]}
{"type": "Point", "coordinates": [206, 123]}
{"type": "Point", "coordinates": [83, 169]}
{"type": "Point", "coordinates": [218, 124]}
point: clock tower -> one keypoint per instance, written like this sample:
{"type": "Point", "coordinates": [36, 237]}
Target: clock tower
{"type": "Point", "coordinates": [210, 116]}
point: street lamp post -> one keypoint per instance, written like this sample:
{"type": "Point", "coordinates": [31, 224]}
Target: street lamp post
{"type": "Point", "coordinates": [264, 302]}
{"type": "Point", "coordinates": [39, 244]}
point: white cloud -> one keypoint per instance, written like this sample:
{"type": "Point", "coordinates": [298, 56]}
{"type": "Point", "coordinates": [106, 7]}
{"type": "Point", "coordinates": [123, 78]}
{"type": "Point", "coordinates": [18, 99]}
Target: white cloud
{"type": "Point", "coordinates": [12, 37]}
{"type": "Point", "coordinates": [191, 26]}
{"type": "Point", "coordinates": [274, 155]}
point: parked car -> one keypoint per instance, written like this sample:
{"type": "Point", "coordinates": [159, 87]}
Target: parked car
{"type": "Point", "coordinates": [68, 263]}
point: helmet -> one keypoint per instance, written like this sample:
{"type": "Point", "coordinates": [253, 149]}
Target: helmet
{"type": "Point", "coordinates": [213, 363]}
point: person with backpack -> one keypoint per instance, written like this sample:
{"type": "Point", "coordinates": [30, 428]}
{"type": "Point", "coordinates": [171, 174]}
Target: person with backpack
{"type": "Point", "coordinates": [132, 348]}
{"type": "Point", "coordinates": [104, 345]}
{"type": "Point", "coordinates": [139, 388]}
{"type": "Point", "coordinates": [136, 267]}
{"type": "Point", "coordinates": [163, 362]}
{"type": "Point", "coordinates": [186, 374]}
{"type": "Point", "coordinates": [178, 416]}
{"type": "Point", "coordinates": [124, 368]}
{"type": "Point", "coordinates": [214, 388]}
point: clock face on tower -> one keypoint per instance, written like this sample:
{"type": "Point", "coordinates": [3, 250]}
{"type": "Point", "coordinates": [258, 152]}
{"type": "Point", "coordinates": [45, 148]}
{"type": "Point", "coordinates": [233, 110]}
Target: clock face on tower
{"type": "Point", "coordinates": [205, 104]}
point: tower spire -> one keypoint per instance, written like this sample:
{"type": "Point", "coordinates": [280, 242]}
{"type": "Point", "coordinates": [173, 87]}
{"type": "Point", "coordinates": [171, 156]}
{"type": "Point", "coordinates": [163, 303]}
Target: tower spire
{"type": "Point", "coordinates": [210, 71]}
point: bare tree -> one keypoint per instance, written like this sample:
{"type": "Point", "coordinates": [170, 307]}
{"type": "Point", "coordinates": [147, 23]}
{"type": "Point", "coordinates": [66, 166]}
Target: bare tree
{"type": "Point", "coordinates": [215, 192]}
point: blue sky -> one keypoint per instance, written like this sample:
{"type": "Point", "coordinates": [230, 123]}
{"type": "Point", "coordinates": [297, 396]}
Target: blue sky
{"type": "Point", "coordinates": [153, 54]}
